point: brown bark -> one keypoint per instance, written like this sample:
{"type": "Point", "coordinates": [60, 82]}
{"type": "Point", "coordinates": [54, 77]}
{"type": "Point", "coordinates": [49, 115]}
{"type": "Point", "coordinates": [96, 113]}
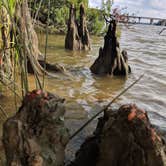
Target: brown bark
{"type": "Point", "coordinates": [124, 137]}
{"type": "Point", "coordinates": [111, 60]}
{"type": "Point", "coordinates": [27, 36]}
{"type": "Point", "coordinates": [5, 54]}
{"type": "Point", "coordinates": [77, 37]}
{"type": "Point", "coordinates": [36, 135]}
{"type": "Point", "coordinates": [29, 40]}
{"type": "Point", "coordinates": [83, 30]}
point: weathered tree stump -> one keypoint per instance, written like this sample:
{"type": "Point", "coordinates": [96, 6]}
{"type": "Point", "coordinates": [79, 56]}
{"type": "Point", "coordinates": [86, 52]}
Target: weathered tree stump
{"type": "Point", "coordinates": [77, 37]}
{"type": "Point", "coordinates": [123, 138]}
{"type": "Point", "coordinates": [111, 60]}
{"type": "Point", "coordinates": [35, 135]}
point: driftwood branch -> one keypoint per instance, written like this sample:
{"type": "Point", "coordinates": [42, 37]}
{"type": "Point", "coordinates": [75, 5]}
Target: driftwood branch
{"type": "Point", "coordinates": [162, 31]}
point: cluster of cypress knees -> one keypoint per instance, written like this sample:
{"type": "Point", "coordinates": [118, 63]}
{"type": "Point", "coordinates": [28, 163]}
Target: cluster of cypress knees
{"type": "Point", "coordinates": [111, 59]}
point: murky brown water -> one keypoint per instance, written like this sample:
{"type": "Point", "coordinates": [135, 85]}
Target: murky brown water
{"type": "Point", "coordinates": [85, 92]}
{"type": "Point", "coordinates": [147, 54]}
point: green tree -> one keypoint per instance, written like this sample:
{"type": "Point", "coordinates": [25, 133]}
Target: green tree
{"type": "Point", "coordinates": [106, 6]}
{"type": "Point", "coordinates": [59, 13]}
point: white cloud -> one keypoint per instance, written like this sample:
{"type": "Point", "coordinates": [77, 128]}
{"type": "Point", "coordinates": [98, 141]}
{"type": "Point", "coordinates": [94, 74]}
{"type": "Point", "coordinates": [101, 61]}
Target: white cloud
{"type": "Point", "coordinates": [151, 8]}
{"type": "Point", "coordinates": [158, 4]}
{"type": "Point", "coordinates": [96, 3]}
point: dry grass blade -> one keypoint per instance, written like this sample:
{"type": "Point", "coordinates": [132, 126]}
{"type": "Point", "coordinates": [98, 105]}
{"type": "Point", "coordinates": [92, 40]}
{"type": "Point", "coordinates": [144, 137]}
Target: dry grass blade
{"type": "Point", "coordinates": [12, 90]}
{"type": "Point", "coordinates": [37, 12]}
{"type": "Point", "coordinates": [3, 111]}
{"type": "Point", "coordinates": [106, 107]}
{"type": "Point", "coordinates": [46, 43]}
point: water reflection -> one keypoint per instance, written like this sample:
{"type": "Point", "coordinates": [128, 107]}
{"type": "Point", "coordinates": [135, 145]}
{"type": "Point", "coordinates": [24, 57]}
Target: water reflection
{"type": "Point", "coordinates": [146, 50]}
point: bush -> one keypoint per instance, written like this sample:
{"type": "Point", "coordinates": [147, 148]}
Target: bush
{"type": "Point", "coordinates": [59, 13]}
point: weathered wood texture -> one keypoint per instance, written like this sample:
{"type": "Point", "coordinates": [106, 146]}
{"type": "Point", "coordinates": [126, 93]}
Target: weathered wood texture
{"type": "Point", "coordinates": [77, 37]}
{"type": "Point", "coordinates": [29, 39]}
{"type": "Point", "coordinates": [111, 60]}
{"type": "Point", "coordinates": [123, 138]}
{"type": "Point", "coordinates": [36, 135]}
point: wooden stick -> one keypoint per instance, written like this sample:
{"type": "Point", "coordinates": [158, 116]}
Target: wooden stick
{"type": "Point", "coordinates": [106, 107]}
{"type": "Point", "coordinates": [162, 31]}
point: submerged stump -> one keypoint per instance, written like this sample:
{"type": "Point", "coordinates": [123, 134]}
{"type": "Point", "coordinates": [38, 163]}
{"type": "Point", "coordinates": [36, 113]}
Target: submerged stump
{"type": "Point", "coordinates": [123, 138]}
{"type": "Point", "coordinates": [77, 37]}
{"type": "Point", "coordinates": [36, 135]}
{"type": "Point", "coordinates": [111, 60]}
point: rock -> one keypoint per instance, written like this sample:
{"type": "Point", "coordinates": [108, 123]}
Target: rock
{"type": "Point", "coordinates": [77, 37]}
{"type": "Point", "coordinates": [36, 135]}
{"type": "Point", "coordinates": [111, 60]}
{"type": "Point", "coordinates": [123, 138]}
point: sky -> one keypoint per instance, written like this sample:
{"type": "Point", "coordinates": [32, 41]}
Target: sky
{"type": "Point", "coordinates": [149, 8]}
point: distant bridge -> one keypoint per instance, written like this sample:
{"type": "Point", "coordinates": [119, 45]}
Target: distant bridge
{"type": "Point", "coordinates": [138, 19]}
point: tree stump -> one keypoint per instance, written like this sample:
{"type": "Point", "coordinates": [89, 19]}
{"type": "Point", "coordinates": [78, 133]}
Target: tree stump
{"type": "Point", "coordinates": [111, 60]}
{"type": "Point", "coordinates": [123, 138]}
{"type": "Point", "coordinates": [77, 37]}
{"type": "Point", "coordinates": [35, 135]}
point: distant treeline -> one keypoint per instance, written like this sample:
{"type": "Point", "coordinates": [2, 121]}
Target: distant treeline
{"type": "Point", "coordinates": [59, 13]}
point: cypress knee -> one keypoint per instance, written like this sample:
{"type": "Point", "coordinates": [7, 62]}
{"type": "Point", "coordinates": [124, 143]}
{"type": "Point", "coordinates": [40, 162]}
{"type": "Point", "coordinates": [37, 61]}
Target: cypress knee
{"type": "Point", "coordinates": [77, 37]}
{"type": "Point", "coordinates": [111, 60]}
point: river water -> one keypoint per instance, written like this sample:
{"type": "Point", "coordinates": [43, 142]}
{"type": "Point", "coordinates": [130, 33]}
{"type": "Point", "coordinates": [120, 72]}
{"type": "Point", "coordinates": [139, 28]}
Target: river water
{"type": "Point", "coordinates": [147, 54]}
{"type": "Point", "coordinates": [85, 92]}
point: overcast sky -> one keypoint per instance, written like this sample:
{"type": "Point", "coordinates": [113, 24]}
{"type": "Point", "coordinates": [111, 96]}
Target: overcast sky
{"type": "Point", "coordinates": [151, 8]}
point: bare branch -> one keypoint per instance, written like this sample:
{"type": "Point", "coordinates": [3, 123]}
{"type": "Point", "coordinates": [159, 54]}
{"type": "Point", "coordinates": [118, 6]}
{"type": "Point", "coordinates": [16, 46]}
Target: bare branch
{"type": "Point", "coordinates": [162, 31]}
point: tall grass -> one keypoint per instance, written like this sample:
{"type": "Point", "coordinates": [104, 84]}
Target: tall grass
{"type": "Point", "coordinates": [18, 55]}
{"type": "Point", "coordinates": [19, 51]}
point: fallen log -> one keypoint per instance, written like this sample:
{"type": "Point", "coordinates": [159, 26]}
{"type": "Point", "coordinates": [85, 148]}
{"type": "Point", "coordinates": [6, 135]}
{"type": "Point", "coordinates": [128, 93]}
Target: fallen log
{"type": "Point", "coordinates": [124, 137]}
{"type": "Point", "coordinates": [47, 66]}
{"type": "Point", "coordinates": [36, 135]}
{"type": "Point", "coordinates": [111, 60]}
{"type": "Point", "coordinates": [77, 37]}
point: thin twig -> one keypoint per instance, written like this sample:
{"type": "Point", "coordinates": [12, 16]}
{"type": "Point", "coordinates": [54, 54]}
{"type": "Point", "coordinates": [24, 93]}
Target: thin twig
{"type": "Point", "coordinates": [106, 107]}
{"type": "Point", "coordinates": [37, 12]}
{"type": "Point", "coordinates": [46, 44]}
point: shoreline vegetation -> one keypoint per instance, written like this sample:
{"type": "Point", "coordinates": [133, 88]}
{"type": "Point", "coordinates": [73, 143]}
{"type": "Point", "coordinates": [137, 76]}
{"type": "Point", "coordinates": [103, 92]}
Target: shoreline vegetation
{"type": "Point", "coordinates": [35, 134]}
{"type": "Point", "coordinates": [59, 15]}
